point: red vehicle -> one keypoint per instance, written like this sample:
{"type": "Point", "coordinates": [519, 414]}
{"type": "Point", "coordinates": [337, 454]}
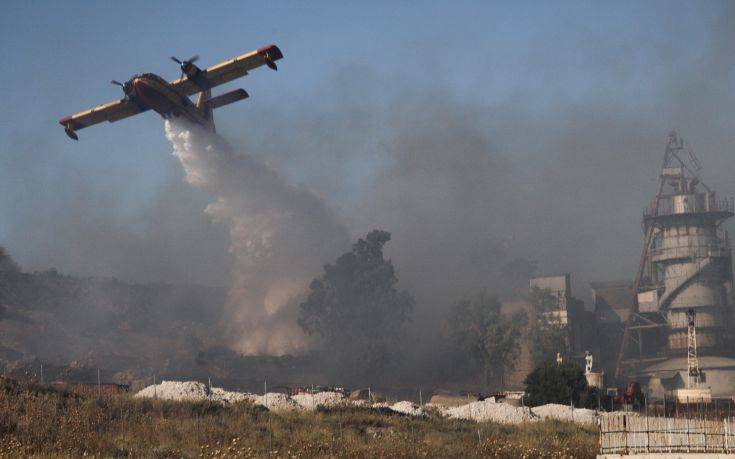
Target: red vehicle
{"type": "Point", "coordinates": [632, 395]}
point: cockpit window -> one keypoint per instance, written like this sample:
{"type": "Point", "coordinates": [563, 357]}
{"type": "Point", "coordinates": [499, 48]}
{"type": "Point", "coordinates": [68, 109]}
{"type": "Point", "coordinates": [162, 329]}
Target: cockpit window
{"type": "Point", "coordinates": [152, 76]}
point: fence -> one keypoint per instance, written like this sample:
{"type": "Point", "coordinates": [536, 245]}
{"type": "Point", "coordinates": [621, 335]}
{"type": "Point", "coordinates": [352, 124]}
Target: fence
{"type": "Point", "coordinates": [629, 433]}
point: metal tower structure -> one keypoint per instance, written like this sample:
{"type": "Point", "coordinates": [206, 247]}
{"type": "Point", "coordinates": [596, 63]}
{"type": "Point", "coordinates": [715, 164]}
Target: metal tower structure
{"type": "Point", "coordinates": [685, 264]}
{"type": "Point", "coordinates": [692, 360]}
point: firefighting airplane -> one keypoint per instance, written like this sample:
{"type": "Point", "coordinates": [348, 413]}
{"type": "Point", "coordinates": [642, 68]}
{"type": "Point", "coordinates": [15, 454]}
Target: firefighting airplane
{"type": "Point", "coordinates": [149, 91]}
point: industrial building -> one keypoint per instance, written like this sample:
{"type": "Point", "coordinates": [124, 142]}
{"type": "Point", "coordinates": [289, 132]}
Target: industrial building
{"type": "Point", "coordinates": [569, 312]}
{"type": "Point", "coordinates": [685, 270]}
{"type": "Point", "coordinates": [670, 328]}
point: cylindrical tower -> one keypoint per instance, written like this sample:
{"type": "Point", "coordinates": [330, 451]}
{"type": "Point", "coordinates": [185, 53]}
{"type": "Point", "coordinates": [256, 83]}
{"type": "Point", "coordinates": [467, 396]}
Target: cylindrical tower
{"type": "Point", "coordinates": [685, 266]}
{"type": "Point", "coordinates": [691, 259]}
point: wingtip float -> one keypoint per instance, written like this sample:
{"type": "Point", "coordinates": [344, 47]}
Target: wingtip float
{"type": "Point", "coordinates": [148, 91]}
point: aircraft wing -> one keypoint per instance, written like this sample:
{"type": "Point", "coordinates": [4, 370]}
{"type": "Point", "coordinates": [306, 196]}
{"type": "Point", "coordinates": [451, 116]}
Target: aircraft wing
{"type": "Point", "coordinates": [228, 70]}
{"type": "Point", "coordinates": [111, 111]}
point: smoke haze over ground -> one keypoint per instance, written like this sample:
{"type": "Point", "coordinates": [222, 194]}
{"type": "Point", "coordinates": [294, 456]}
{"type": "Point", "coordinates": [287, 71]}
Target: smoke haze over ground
{"type": "Point", "coordinates": [279, 236]}
{"type": "Point", "coordinates": [467, 179]}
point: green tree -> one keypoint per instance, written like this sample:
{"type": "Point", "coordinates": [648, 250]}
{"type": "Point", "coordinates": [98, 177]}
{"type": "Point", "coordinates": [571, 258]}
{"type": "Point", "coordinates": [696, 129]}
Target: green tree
{"type": "Point", "coordinates": [357, 311]}
{"type": "Point", "coordinates": [557, 383]}
{"type": "Point", "coordinates": [548, 335]}
{"type": "Point", "coordinates": [489, 339]}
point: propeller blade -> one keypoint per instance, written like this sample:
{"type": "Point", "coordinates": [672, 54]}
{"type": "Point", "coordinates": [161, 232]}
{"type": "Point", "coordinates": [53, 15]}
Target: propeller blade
{"type": "Point", "coordinates": [269, 62]}
{"type": "Point", "coordinates": [176, 60]}
{"type": "Point", "coordinates": [192, 59]}
{"type": "Point", "coordinates": [116, 83]}
{"type": "Point", "coordinates": [70, 133]}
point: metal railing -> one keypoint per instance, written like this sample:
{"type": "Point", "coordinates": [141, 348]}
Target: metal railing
{"type": "Point", "coordinates": [667, 207]}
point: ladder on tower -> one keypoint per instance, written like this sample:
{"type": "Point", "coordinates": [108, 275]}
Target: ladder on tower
{"type": "Point", "coordinates": [694, 391]}
{"type": "Point", "coordinates": [692, 360]}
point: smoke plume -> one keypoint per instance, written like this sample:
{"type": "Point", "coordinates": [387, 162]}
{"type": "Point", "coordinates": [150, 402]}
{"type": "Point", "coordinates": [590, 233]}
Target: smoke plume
{"type": "Point", "coordinates": [544, 149]}
{"type": "Point", "coordinates": [280, 236]}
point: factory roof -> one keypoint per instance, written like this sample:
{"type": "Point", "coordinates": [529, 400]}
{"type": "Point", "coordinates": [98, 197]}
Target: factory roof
{"type": "Point", "coordinates": [680, 364]}
{"type": "Point", "coordinates": [613, 300]}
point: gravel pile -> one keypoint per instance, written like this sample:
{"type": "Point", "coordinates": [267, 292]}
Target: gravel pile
{"type": "Point", "coordinates": [221, 395]}
{"type": "Point", "coordinates": [176, 390]}
{"type": "Point", "coordinates": [486, 410]}
{"type": "Point", "coordinates": [408, 408]}
{"type": "Point", "coordinates": [489, 410]}
{"type": "Point", "coordinates": [311, 402]}
{"type": "Point", "coordinates": [276, 401]}
{"type": "Point", "coordinates": [192, 391]}
{"type": "Point", "coordinates": [379, 405]}
{"type": "Point", "coordinates": [565, 413]}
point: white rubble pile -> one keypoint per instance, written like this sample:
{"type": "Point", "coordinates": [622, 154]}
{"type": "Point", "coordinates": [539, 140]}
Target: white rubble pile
{"type": "Point", "coordinates": [176, 390]}
{"type": "Point", "coordinates": [379, 405]}
{"type": "Point", "coordinates": [326, 399]}
{"type": "Point", "coordinates": [565, 413]}
{"type": "Point", "coordinates": [489, 410]}
{"type": "Point", "coordinates": [221, 395]}
{"type": "Point", "coordinates": [486, 410]}
{"type": "Point", "coordinates": [276, 401]}
{"type": "Point", "coordinates": [192, 391]}
{"type": "Point", "coordinates": [408, 408]}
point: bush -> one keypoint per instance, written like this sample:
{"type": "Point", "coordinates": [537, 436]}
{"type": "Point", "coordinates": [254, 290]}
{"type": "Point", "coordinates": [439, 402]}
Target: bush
{"type": "Point", "coordinates": [559, 383]}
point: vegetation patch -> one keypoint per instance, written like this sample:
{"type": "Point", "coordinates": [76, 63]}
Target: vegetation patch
{"type": "Point", "coordinates": [50, 423]}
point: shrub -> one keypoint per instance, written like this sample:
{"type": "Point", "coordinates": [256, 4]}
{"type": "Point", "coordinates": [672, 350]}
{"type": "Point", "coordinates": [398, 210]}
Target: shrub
{"type": "Point", "coordinates": [559, 383]}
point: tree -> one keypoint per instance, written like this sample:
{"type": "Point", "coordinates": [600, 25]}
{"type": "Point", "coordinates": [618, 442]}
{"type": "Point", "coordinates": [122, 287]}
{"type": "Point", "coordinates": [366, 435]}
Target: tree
{"type": "Point", "coordinates": [7, 264]}
{"type": "Point", "coordinates": [488, 338]}
{"type": "Point", "coordinates": [548, 335]}
{"type": "Point", "coordinates": [357, 310]}
{"type": "Point", "coordinates": [557, 383]}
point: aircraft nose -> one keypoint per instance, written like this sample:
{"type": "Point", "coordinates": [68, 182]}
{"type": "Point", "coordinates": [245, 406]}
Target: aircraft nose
{"type": "Point", "coordinates": [143, 89]}
{"type": "Point", "coordinates": [139, 85]}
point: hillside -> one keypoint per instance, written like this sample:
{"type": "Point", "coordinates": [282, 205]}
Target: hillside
{"type": "Point", "coordinates": [127, 330]}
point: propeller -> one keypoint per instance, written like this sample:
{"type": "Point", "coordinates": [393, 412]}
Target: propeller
{"type": "Point", "coordinates": [185, 65]}
{"type": "Point", "coordinates": [126, 87]}
{"type": "Point", "coordinates": [269, 62]}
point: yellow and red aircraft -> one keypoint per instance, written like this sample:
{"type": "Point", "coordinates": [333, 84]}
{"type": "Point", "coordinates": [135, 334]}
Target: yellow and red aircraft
{"type": "Point", "coordinates": [148, 91]}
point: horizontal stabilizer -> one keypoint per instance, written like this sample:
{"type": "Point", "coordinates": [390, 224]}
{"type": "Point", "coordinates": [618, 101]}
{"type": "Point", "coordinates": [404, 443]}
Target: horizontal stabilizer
{"type": "Point", "coordinates": [227, 98]}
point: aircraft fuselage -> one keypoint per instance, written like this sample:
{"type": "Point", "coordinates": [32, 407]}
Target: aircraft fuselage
{"type": "Point", "coordinates": [148, 91]}
{"type": "Point", "coordinates": [152, 91]}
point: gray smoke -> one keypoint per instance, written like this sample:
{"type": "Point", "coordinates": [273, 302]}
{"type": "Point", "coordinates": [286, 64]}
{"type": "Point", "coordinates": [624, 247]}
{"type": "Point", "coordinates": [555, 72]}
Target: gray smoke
{"type": "Point", "coordinates": [280, 236]}
{"type": "Point", "coordinates": [556, 170]}
{"type": "Point", "coordinates": [542, 173]}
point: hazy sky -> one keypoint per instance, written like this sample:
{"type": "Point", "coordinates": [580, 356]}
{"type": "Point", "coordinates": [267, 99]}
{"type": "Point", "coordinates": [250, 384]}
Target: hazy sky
{"type": "Point", "coordinates": [547, 87]}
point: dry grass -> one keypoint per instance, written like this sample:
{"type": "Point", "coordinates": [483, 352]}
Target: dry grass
{"type": "Point", "coordinates": [42, 422]}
